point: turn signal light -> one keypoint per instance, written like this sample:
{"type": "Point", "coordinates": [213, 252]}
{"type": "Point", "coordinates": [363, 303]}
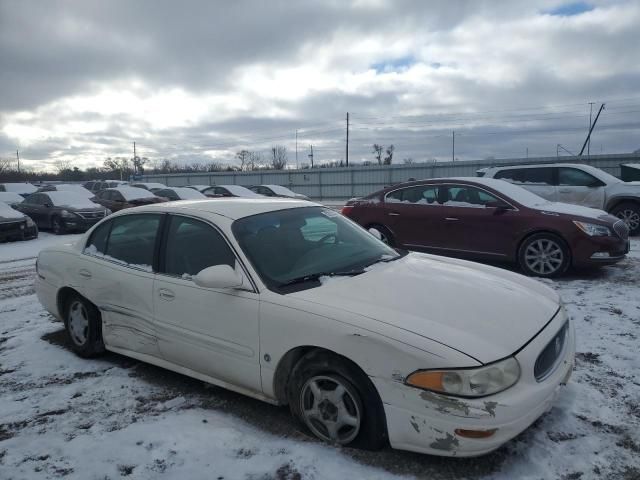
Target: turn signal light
{"type": "Point", "coordinates": [461, 432]}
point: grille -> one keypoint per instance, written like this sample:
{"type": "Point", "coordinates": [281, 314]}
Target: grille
{"type": "Point", "coordinates": [548, 358]}
{"type": "Point", "coordinates": [621, 229]}
{"type": "Point", "coordinates": [90, 215]}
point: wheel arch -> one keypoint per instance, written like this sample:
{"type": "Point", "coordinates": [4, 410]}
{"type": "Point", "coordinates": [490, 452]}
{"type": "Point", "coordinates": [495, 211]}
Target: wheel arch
{"type": "Point", "coordinates": [63, 297]}
{"type": "Point", "coordinates": [290, 359]}
{"type": "Point", "coordinates": [618, 200]}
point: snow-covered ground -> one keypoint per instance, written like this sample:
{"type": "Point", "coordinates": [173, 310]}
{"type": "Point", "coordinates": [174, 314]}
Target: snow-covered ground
{"type": "Point", "coordinates": [61, 416]}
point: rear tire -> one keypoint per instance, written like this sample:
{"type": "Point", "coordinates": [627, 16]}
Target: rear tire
{"type": "Point", "coordinates": [629, 212]}
{"type": "Point", "coordinates": [544, 255]}
{"type": "Point", "coordinates": [84, 326]}
{"type": "Point", "coordinates": [336, 402]}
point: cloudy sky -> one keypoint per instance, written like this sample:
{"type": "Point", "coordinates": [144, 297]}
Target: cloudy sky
{"type": "Point", "coordinates": [200, 80]}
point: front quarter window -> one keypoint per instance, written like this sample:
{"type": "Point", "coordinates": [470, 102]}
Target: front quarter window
{"type": "Point", "coordinates": [301, 245]}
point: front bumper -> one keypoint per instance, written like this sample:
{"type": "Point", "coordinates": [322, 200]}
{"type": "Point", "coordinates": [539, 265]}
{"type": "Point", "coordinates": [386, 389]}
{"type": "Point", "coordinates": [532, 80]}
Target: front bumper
{"type": "Point", "coordinates": [17, 231]}
{"type": "Point", "coordinates": [425, 422]}
{"type": "Point", "coordinates": [588, 250]}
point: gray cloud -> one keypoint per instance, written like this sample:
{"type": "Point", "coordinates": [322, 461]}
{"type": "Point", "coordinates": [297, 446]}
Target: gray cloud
{"type": "Point", "coordinates": [497, 68]}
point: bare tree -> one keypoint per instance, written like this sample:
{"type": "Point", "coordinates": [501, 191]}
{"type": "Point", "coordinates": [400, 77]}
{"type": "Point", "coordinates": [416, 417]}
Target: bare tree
{"type": "Point", "coordinates": [377, 152]}
{"type": "Point", "coordinates": [389, 157]}
{"type": "Point", "coordinates": [243, 157]}
{"type": "Point", "coordinates": [278, 157]}
{"type": "Point", "coordinates": [62, 165]}
{"type": "Point", "coordinates": [255, 160]}
{"type": "Point", "coordinates": [6, 165]}
{"type": "Point", "coordinates": [408, 161]}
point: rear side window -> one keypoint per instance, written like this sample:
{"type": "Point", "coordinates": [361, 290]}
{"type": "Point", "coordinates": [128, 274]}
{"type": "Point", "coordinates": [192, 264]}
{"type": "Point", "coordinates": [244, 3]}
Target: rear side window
{"type": "Point", "coordinates": [573, 177]}
{"type": "Point", "coordinates": [170, 194]}
{"type": "Point", "coordinates": [192, 246]}
{"type": "Point", "coordinates": [131, 240]}
{"type": "Point", "coordinates": [422, 194]}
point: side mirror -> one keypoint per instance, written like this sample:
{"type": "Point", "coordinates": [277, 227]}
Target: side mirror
{"type": "Point", "coordinates": [376, 233]}
{"type": "Point", "coordinates": [218, 276]}
{"type": "Point", "coordinates": [498, 205]}
{"type": "Point", "coordinates": [48, 205]}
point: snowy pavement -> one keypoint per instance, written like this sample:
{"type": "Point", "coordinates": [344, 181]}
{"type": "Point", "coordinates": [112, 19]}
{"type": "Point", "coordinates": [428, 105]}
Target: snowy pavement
{"type": "Point", "coordinates": [64, 417]}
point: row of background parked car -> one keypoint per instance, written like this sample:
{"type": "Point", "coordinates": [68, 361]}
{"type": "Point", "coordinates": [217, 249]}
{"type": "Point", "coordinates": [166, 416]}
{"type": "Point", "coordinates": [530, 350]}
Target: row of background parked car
{"type": "Point", "coordinates": [64, 208]}
{"type": "Point", "coordinates": [520, 215]}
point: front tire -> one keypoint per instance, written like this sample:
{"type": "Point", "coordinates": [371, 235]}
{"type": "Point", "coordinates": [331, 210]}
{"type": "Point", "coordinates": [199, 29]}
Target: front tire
{"type": "Point", "coordinates": [544, 255]}
{"type": "Point", "coordinates": [337, 402]}
{"type": "Point", "coordinates": [57, 226]}
{"type": "Point", "coordinates": [84, 327]}
{"type": "Point", "coordinates": [629, 212]}
{"type": "Point", "coordinates": [385, 235]}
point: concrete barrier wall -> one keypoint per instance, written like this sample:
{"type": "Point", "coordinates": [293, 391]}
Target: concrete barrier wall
{"type": "Point", "coordinates": [344, 183]}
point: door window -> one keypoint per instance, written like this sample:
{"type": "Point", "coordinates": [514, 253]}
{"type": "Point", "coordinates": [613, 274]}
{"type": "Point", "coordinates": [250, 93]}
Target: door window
{"type": "Point", "coordinates": [422, 194]}
{"type": "Point", "coordinates": [192, 246]}
{"type": "Point", "coordinates": [527, 176]}
{"type": "Point", "coordinates": [573, 177]}
{"type": "Point", "coordinates": [132, 240]}
{"type": "Point", "coordinates": [467, 196]}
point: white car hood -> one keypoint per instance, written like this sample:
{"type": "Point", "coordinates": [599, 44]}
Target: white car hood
{"type": "Point", "coordinates": [484, 312]}
{"type": "Point", "coordinates": [570, 209]}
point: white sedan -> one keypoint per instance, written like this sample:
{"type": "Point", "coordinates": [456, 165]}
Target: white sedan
{"type": "Point", "coordinates": [292, 303]}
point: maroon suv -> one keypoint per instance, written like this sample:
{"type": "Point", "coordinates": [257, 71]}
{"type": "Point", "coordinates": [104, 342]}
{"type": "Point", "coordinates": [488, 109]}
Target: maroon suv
{"type": "Point", "coordinates": [488, 219]}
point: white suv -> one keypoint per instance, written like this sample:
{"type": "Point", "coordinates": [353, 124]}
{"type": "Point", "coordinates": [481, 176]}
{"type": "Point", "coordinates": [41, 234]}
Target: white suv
{"type": "Point", "coordinates": [578, 184]}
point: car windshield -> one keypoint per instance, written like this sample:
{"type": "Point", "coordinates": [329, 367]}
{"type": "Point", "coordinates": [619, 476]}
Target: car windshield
{"type": "Point", "coordinates": [298, 246]}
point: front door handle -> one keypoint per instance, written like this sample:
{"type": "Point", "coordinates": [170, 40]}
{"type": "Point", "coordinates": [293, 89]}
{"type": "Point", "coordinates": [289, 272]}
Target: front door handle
{"type": "Point", "coordinates": [451, 219]}
{"type": "Point", "coordinates": [394, 214]}
{"type": "Point", "coordinates": [84, 273]}
{"type": "Point", "coordinates": [166, 294]}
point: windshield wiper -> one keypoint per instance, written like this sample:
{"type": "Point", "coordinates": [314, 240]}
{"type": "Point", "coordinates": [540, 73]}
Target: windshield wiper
{"type": "Point", "coordinates": [316, 276]}
{"type": "Point", "coordinates": [384, 259]}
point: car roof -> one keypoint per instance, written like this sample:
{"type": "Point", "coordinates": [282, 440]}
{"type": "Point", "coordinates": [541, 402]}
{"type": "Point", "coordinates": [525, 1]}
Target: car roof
{"type": "Point", "coordinates": [231, 207]}
{"type": "Point", "coordinates": [540, 165]}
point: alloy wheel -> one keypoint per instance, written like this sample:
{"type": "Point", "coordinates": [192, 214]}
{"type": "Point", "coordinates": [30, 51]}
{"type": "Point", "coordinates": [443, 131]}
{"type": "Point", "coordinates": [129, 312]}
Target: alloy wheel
{"type": "Point", "coordinates": [630, 217]}
{"type": "Point", "coordinates": [78, 322]}
{"type": "Point", "coordinates": [544, 256]}
{"type": "Point", "coordinates": [329, 408]}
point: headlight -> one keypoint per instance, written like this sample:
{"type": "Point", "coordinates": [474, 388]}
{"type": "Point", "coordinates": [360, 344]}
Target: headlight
{"type": "Point", "coordinates": [30, 223]}
{"type": "Point", "coordinates": [67, 214]}
{"type": "Point", "coordinates": [469, 382]}
{"type": "Point", "coordinates": [592, 229]}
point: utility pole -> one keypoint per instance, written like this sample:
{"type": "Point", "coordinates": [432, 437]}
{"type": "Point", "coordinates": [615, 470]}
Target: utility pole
{"type": "Point", "coordinates": [18, 157]}
{"type": "Point", "coordinates": [527, 152]}
{"type": "Point", "coordinates": [589, 143]}
{"type": "Point", "coordinates": [311, 155]}
{"type": "Point", "coordinates": [453, 146]}
{"type": "Point", "coordinates": [297, 149]}
{"type": "Point", "coordinates": [347, 145]}
{"type": "Point", "coordinates": [593, 125]}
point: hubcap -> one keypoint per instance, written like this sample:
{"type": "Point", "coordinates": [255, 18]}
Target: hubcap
{"type": "Point", "coordinates": [544, 256]}
{"type": "Point", "coordinates": [630, 217]}
{"type": "Point", "coordinates": [330, 410]}
{"type": "Point", "coordinates": [78, 323]}
{"type": "Point", "coordinates": [56, 225]}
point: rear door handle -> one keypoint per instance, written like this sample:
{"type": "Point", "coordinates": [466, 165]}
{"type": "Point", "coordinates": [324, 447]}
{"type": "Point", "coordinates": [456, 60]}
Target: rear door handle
{"type": "Point", "coordinates": [451, 219]}
{"type": "Point", "coordinates": [166, 294]}
{"type": "Point", "coordinates": [394, 214]}
{"type": "Point", "coordinates": [85, 273]}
